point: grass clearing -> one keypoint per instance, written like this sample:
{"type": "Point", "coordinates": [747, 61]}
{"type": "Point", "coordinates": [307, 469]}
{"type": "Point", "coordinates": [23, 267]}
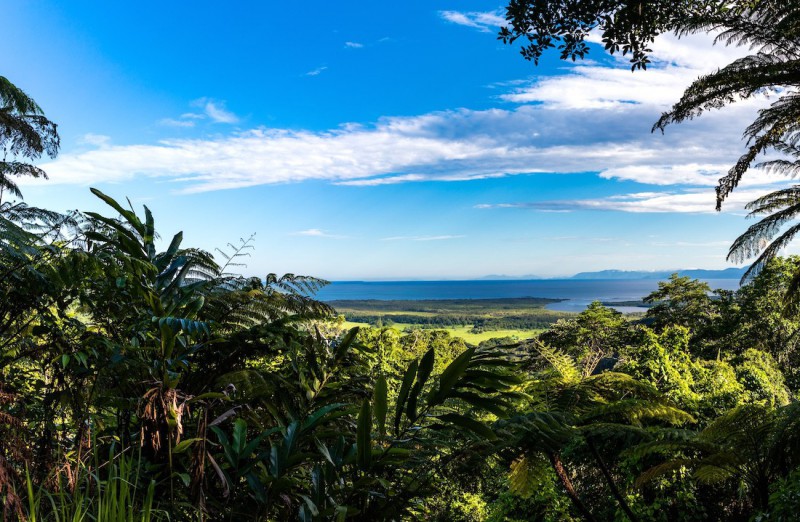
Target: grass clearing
{"type": "Point", "coordinates": [463, 332]}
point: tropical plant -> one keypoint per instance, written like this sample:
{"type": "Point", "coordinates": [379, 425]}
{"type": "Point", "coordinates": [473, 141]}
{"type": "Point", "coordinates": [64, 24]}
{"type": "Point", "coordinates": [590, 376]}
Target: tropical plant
{"type": "Point", "coordinates": [568, 409]}
{"type": "Point", "coordinates": [755, 444]}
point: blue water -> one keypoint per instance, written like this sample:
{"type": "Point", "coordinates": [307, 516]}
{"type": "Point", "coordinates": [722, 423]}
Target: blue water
{"type": "Point", "coordinates": [578, 294]}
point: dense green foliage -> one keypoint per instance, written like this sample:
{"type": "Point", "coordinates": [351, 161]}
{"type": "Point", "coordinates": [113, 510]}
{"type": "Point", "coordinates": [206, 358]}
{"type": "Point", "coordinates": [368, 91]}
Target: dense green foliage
{"type": "Point", "coordinates": [146, 384]}
{"type": "Point", "coordinates": [233, 403]}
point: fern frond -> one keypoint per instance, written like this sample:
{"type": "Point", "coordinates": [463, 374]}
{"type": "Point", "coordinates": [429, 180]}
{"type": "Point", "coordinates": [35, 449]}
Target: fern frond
{"type": "Point", "coordinates": [660, 470]}
{"type": "Point", "coordinates": [527, 474]}
{"type": "Point", "coordinates": [562, 363]}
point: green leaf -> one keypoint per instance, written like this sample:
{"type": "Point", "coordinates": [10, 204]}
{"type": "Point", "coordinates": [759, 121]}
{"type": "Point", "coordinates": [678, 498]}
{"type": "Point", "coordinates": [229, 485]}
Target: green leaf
{"type": "Point", "coordinates": [381, 403]}
{"type": "Point", "coordinates": [493, 405]}
{"type": "Point", "coordinates": [425, 368]}
{"type": "Point", "coordinates": [149, 232]}
{"type": "Point", "coordinates": [468, 423]}
{"type": "Point", "coordinates": [450, 376]}
{"type": "Point", "coordinates": [402, 396]}
{"type": "Point", "coordinates": [239, 436]}
{"type": "Point", "coordinates": [345, 343]}
{"type": "Point", "coordinates": [184, 445]}
{"type": "Point", "coordinates": [322, 414]}
{"type": "Point", "coordinates": [363, 436]}
{"type": "Point", "coordinates": [129, 216]}
{"type": "Point", "coordinates": [311, 506]}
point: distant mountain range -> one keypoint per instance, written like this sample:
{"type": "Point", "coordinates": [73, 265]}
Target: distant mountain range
{"type": "Point", "coordinates": [727, 273]}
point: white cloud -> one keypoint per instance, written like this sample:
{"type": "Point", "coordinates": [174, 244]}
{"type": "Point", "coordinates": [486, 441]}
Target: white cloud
{"type": "Point", "coordinates": [212, 110]}
{"type": "Point", "coordinates": [716, 245]}
{"type": "Point", "coordinates": [388, 180]}
{"type": "Point", "coordinates": [216, 112]}
{"type": "Point", "coordinates": [486, 22]}
{"type": "Point", "coordinates": [686, 201]}
{"type": "Point", "coordinates": [317, 71]}
{"type": "Point", "coordinates": [602, 124]}
{"type": "Point", "coordinates": [677, 62]}
{"type": "Point", "coordinates": [353, 45]}
{"type": "Point", "coordinates": [172, 122]}
{"type": "Point", "coordinates": [316, 232]}
{"type": "Point", "coordinates": [95, 140]}
{"type": "Point", "coordinates": [687, 174]}
{"type": "Point", "coordinates": [421, 238]}
{"type": "Point", "coordinates": [447, 146]}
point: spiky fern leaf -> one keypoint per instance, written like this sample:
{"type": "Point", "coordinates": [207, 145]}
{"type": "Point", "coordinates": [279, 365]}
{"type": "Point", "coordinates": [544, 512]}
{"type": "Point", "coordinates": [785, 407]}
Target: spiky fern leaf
{"type": "Point", "coordinates": [634, 411]}
{"type": "Point", "coordinates": [660, 470]}
{"type": "Point", "coordinates": [528, 474]}
{"type": "Point", "coordinates": [752, 443]}
{"type": "Point", "coordinates": [563, 364]}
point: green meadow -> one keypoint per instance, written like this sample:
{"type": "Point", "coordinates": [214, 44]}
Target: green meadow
{"type": "Point", "coordinates": [474, 320]}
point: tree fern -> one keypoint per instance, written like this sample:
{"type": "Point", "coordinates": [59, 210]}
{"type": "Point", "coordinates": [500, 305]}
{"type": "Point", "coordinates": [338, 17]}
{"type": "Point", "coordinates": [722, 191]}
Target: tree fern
{"type": "Point", "coordinates": [752, 443]}
{"type": "Point", "coordinates": [25, 133]}
{"type": "Point", "coordinates": [772, 28]}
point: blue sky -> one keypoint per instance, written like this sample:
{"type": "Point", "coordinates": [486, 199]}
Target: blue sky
{"type": "Point", "coordinates": [359, 140]}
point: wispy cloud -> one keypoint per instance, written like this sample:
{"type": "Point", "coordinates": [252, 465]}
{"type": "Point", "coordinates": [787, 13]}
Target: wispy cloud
{"type": "Point", "coordinates": [316, 232]}
{"type": "Point", "coordinates": [588, 85]}
{"type": "Point", "coordinates": [215, 110]}
{"type": "Point", "coordinates": [716, 245]}
{"type": "Point", "coordinates": [686, 201]}
{"type": "Point", "coordinates": [486, 22]}
{"type": "Point", "coordinates": [421, 238]}
{"type": "Point", "coordinates": [219, 114]}
{"type": "Point", "coordinates": [95, 140]}
{"type": "Point", "coordinates": [173, 122]}
{"type": "Point", "coordinates": [317, 71]}
{"type": "Point", "coordinates": [212, 110]}
{"type": "Point", "coordinates": [353, 45]}
{"type": "Point", "coordinates": [444, 146]}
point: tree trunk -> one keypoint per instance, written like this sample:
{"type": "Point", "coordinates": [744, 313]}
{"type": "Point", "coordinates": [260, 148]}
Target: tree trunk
{"type": "Point", "coordinates": [558, 467]}
{"type": "Point", "coordinates": [610, 481]}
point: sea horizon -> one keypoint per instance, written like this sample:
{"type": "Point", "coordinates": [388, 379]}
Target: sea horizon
{"type": "Point", "coordinates": [576, 294]}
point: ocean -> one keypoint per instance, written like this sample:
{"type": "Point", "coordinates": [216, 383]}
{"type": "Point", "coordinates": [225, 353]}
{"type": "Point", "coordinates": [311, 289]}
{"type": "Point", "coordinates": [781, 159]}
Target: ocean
{"type": "Point", "coordinates": [577, 293]}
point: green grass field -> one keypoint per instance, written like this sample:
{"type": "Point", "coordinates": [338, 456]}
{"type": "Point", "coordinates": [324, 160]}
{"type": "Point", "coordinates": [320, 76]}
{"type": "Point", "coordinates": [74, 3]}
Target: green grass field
{"type": "Point", "coordinates": [463, 332]}
{"type": "Point", "coordinates": [474, 320]}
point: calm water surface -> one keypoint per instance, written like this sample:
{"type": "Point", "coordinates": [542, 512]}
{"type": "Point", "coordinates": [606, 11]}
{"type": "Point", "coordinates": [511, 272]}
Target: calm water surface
{"type": "Point", "coordinates": [577, 294]}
